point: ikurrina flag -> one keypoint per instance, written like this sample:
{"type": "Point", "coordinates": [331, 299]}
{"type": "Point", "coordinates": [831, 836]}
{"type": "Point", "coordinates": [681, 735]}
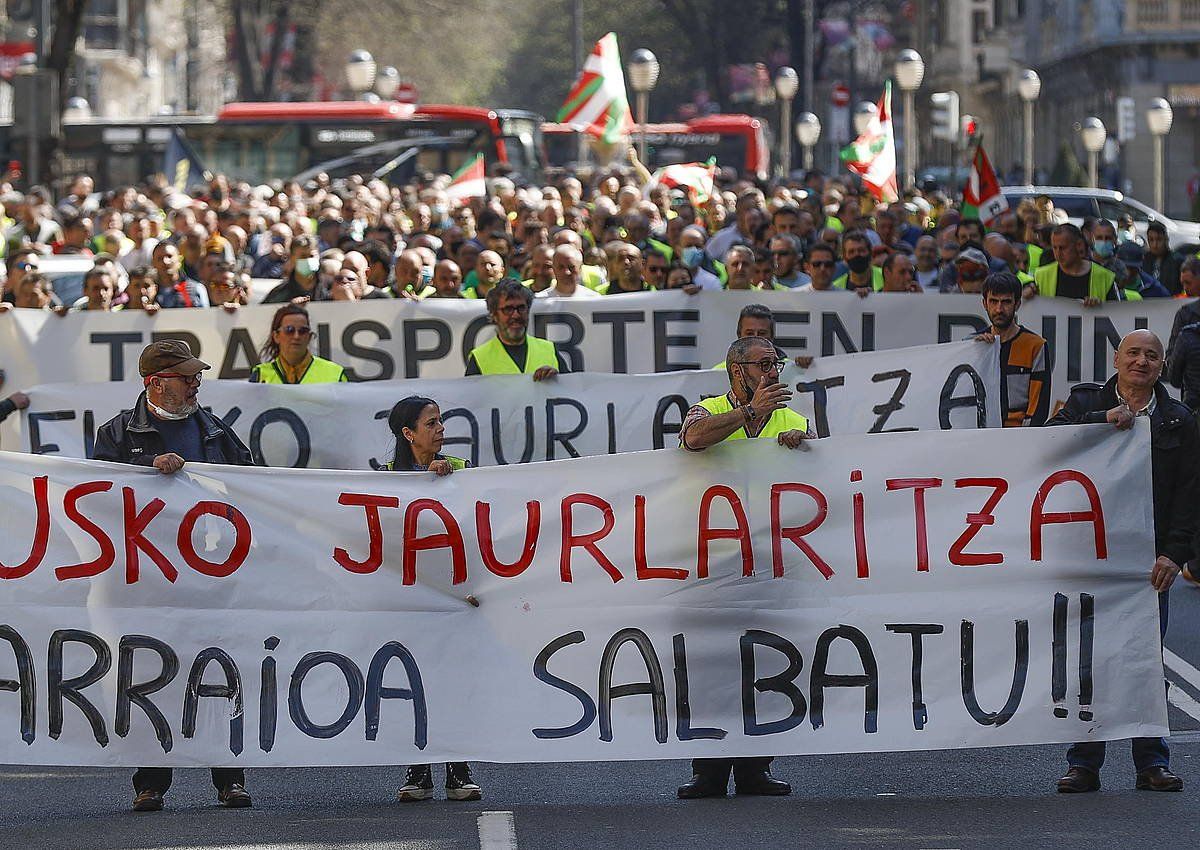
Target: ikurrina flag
{"type": "Point", "coordinates": [982, 197]}
{"type": "Point", "coordinates": [873, 154]}
{"type": "Point", "coordinates": [598, 104]}
{"type": "Point", "coordinates": [696, 178]}
{"type": "Point", "coordinates": [468, 181]}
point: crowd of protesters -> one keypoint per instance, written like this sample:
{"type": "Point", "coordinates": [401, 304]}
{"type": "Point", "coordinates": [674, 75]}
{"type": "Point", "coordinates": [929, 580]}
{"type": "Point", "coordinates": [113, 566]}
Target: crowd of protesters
{"type": "Point", "coordinates": [153, 248]}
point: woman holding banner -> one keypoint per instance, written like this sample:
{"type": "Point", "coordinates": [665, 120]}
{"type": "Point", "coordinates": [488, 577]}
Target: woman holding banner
{"type": "Point", "coordinates": [416, 422]}
{"type": "Point", "coordinates": [286, 358]}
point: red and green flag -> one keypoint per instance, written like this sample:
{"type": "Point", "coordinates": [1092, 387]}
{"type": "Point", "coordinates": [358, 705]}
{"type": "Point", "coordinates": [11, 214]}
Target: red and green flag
{"type": "Point", "coordinates": [597, 104]}
{"type": "Point", "coordinates": [469, 181]}
{"type": "Point", "coordinates": [873, 154]}
{"type": "Point", "coordinates": [982, 197]}
{"type": "Point", "coordinates": [696, 178]}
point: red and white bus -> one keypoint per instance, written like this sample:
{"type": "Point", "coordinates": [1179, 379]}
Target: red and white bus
{"type": "Point", "coordinates": [737, 141]}
{"type": "Point", "coordinates": [264, 141]}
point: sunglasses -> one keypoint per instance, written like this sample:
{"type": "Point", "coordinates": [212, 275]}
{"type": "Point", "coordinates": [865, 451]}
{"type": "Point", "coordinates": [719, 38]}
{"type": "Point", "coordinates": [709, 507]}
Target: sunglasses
{"type": "Point", "coordinates": [295, 330]}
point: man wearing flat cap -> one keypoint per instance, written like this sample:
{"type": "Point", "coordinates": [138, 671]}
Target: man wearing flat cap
{"type": "Point", "coordinates": [166, 429]}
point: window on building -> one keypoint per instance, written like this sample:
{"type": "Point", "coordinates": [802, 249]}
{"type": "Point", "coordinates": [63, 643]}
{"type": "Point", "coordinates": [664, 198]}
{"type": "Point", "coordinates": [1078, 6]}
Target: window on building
{"type": "Point", "coordinates": [1152, 11]}
{"type": "Point", "coordinates": [106, 25]}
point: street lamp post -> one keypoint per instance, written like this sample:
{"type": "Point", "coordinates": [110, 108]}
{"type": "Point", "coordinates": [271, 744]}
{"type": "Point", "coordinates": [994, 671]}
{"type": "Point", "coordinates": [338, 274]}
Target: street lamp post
{"type": "Point", "coordinates": [1159, 117]}
{"type": "Point", "coordinates": [864, 114]}
{"type": "Point", "coordinates": [808, 132]}
{"type": "Point", "coordinates": [360, 72]}
{"type": "Point", "coordinates": [1094, 137]}
{"type": "Point", "coordinates": [1029, 86]}
{"type": "Point", "coordinates": [910, 70]}
{"type": "Point", "coordinates": [643, 75]}
{"type": "Point", "coordinates": [787, 82]}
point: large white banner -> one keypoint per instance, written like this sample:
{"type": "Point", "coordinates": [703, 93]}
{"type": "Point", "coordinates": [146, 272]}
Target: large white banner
{"type": "Point", "coordinates": [868, 593]}
{"type": "Point", "coordinates": [512, 419]}
{"type": "Point", "coordinates": [629, 334]}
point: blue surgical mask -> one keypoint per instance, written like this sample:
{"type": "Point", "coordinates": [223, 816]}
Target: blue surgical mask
{"type": "Point", "coordinates": [1103, 248]}
{"type": "Point", "coordinates": [692, 256]}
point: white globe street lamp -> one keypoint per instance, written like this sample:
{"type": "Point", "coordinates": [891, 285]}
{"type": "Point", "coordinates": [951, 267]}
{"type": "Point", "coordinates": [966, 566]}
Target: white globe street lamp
{"type": "Point", "coordinates": [808, 133]}
{"type": "Point", "coordinates": [1094, 137]}
{"type": "Point", "coordinates": [864, 114]}
{"type": "Point", "coordinates": [643, 76]}
{"type": "Point", "coordinates": [910, 70]}
{"type": "Point", "coordinates": [360, 72]}
{"type": "Point", "coordinates": [386, 82]}
{"type": "Point", "coordinates": [1159, 116]}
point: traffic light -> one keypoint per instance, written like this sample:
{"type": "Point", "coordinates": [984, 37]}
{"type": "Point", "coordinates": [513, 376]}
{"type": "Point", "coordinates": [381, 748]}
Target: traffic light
{"type": "Point", "coordinates": [944, 115]}
{"type": "Point", "coordinates": [970, 130]}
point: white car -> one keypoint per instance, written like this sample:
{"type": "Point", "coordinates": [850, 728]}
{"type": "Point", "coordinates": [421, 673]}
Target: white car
{"type": "Point", "coordinates": [1104, 203]}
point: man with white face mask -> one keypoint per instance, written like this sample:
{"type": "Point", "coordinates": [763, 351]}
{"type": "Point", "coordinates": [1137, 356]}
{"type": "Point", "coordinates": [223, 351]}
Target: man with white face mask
{"type": "Point", "coordinates": [166, 429]}
{"type": "Point", "coordinates": [301, 281]}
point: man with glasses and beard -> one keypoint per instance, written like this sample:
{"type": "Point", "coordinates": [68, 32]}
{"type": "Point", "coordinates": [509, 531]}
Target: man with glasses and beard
{"type": "Point", "coordinates": [755, 406]}
{"type": "Point", "coordinates": [514, 351]}
{"type": "Point", "coordinates": [167, 429]}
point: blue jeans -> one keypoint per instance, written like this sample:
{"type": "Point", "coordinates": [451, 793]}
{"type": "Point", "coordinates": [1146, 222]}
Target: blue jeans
{"type": "Point", "coordinates": [1147, 752]}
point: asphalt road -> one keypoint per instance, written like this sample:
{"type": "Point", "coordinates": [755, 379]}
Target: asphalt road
{"type": "Point", "coordinates": [996, 798]}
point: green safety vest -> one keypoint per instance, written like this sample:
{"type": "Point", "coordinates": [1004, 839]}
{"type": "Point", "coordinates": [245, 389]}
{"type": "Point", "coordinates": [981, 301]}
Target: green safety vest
{"type": "Point", "coordinates": [1035, 255]}
{"type": "Point", "coordinates": [456, 463]}
{"type": "Point", "coordinates": [320, 371]}
{"type": "Point", "coordinates": [1100, 282]}
{"type": "Point", "coordinates": [492, 359]}
{"type": "Point", "coordinates": [843, 282]}
{"type": "Point", "coordinates": [662, 248]}
{"type": "Point", "coordinates": [784, 419]}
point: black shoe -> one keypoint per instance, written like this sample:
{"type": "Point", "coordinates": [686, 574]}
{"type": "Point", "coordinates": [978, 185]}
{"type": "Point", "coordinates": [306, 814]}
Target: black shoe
{"type": "Point", "coordinates": [761, 784]}
{"type": "Point", "coordinates": [459, 784]}
{"type": "Point", "coordinates": [1158, 779]}
{"type": "Point", "coordinates": [699, 788]}
{"type": "Point", "coordinates": [418, 784]}
{"type": "Point", "coordinates": [234, 797]}
{"type": "Point", "coordinates": [148, 801]}
{"type": "Point", "coordinates": [1079, 780]}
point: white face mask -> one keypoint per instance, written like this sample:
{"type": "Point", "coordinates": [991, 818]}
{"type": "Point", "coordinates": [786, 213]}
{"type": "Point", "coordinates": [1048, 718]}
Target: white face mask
{"type": "Point", "coordinates": [168, 415]}
{"type": "Point", "coordinates": [307, 266]}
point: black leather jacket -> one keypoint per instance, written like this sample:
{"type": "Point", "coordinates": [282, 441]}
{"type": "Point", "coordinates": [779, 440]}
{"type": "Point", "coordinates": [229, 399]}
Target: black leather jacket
{"type": "Point", "coordinates": [1174, 456]}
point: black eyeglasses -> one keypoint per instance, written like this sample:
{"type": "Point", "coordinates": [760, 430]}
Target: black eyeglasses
{"type": "Point", "coordinates": [513, 309]}
{"type": "Point", "coordinates": [767, 364]}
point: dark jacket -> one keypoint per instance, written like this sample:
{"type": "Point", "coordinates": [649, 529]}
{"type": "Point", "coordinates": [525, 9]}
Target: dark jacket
{"type": "Point", "coordinates": [1174, 448]}
{"type": "Point", "coordinates": [1188, 314]}
{"type": "Point", "coordinates": [130, 437]}
{"type": "Point", "coordinates": [1166, 269]}
{"type": "Point", "coordinates": [1183, 369]}
{"type": "Point", "coordinates": [7, 408]}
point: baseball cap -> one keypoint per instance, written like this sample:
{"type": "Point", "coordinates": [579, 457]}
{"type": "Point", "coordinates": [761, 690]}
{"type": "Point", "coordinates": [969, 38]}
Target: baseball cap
{"type": "Point", "coordinates": [972, 255]}
{"type": "Point", "coordinates": [1131, 254]}
{"type": "Point", "coordinates": [169, 355]}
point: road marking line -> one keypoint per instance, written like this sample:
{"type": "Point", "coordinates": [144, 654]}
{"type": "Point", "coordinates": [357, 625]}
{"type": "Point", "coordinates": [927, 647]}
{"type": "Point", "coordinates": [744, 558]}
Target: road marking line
{"type": "Point", "coordinates": [1182, 700]}
{"type": "Point", "coordinates": [497, 831]}
{"type": "Point", "coordinates": [1182, 668]}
